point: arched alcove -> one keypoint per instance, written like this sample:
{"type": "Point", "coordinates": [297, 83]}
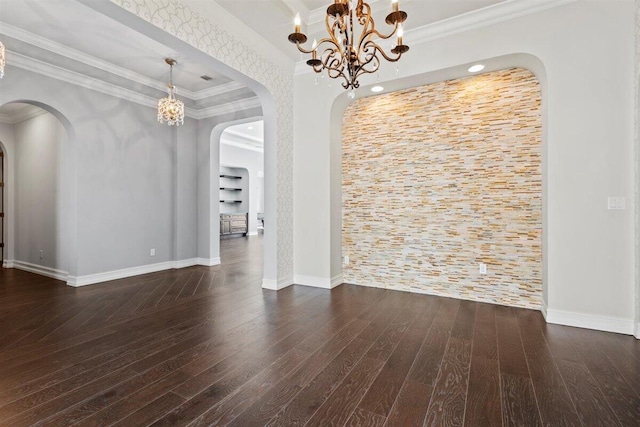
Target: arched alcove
{"type": "Point", "coordinates": [526, 61]}
{"type": "Point", "coordinates": [55, 254]}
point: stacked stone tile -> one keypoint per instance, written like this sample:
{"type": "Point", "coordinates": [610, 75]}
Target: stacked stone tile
{"type": "Point", "coordinates": [442, 177]}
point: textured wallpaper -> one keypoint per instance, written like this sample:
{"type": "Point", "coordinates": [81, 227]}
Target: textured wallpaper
{"type": "Point", "coordinates": [440, 178]}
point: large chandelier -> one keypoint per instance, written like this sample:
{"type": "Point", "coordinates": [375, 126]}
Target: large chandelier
{"type": "Point", "coordinates": [2, 60]}
{"type": "Point", "coordinates": [170, 109]}
{"type": "Point", "coordinates": [350, 50]}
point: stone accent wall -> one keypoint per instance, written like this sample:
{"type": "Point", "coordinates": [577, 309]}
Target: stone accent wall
{"type": "Point", "coordinates": [440, 178]}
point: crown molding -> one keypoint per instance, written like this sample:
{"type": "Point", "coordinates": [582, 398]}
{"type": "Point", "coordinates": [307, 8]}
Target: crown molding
{"type": "Point", "coordinates": [235, 139]}
{"type": "Point", "coordinates": [27, 113]}
{"type": "Point", "coordinates": [248, 138]}
{"type": "Point", "coordinates": [67, 52]}
{"type": "Point", "coordinates": [229, 107]}
{"type": "Point", "coordinates": [58, 73]}
{"type": "Point", "coordinates": [479, 18]}
{"type": "Point", "coordinates": [243, 146]}
{"type": "Point", "coordinates": [297, 6]}
{"type": "Point", "coordinates": [213, 91]}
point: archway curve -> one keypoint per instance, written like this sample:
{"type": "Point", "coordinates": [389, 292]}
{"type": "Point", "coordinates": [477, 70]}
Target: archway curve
{"type": "Point", "coordinates": [276, 111]}
{"type": "Point", "coordinates": [521, 60]}
{"type": "Point", "coordinates": [214, 172]}
{"type": "Point", "coordinates": [68, 191]}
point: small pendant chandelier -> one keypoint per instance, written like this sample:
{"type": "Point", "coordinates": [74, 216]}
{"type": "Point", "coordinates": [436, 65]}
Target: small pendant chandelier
{"type": "Point", "coordinates": [350, 50]}
{"type": "Point", "coordinates": [170, 109]}
{"type": "Point", "coordinates": [2, 60]}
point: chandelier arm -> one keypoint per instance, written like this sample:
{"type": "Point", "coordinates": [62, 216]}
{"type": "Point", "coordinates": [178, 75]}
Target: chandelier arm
{"type": "Point", "coordinates": [377, 48]}
{"type": "Point", "coordinates": [322, 41]}
{"type": "Point", "coordinates": [382, 36]}
{"type": "Point", "coordinates": [335, 68]}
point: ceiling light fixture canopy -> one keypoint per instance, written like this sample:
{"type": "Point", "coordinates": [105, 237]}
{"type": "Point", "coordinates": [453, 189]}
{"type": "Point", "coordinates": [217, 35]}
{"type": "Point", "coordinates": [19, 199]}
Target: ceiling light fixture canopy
{"type": "Point", "coordinates": [170, 109]}
{"type": "Point", "coordinates": [2, 60]}
{"type": "Point", "coordinates": [350, 50]}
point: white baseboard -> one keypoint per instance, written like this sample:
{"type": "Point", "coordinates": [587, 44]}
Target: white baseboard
{"type": "Point", "coordinates": [93, 279]}
{"type": "Point", "coordinates": [7, 263]}
{"type": "Point", "coordinates": [253, 233]}
{"type": "Point", "coordinates": [543, 310]}
{"type": "Point", "coordinates": [208, 262]}
{"type": "Point", "coordinates": [637, 334]}
{"type": "Point", "coordinates": [337, 281]}
{"type": "Point", "coordinates": [588, 321]}
{"type": "Point", "coordinates": [37, 269]}
{"type": "Point", "coordinates": [317, 282]}
{"type": "Point", "coordinates": [184, 263]}
{"type": "Point", "coordinates": [276, 285]}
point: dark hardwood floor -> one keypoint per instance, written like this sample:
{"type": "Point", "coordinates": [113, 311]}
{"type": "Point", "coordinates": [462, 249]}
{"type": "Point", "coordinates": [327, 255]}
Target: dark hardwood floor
{"type": "Point", "coordinates": [207, 346]}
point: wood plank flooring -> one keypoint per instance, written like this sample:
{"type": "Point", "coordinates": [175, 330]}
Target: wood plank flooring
{"type": "Point", "coordinates": [207, 346]}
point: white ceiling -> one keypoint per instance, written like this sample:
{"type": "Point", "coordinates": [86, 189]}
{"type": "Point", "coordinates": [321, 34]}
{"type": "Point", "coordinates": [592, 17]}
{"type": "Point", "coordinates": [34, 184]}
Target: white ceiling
{"type": "Point", "coordinates": [70, 35]}
{"type": "Point", "coordinates": [273, 19]}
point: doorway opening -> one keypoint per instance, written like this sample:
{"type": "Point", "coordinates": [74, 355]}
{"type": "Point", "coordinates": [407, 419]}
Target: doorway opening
{"type": "Point", "coordinates": [35, 229]}
{"type": "Point", "coordinates": [241, 190]}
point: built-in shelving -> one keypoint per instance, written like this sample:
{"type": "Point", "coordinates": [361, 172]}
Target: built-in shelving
{"type": "Point", "coordinates": [230, 201]}
{"type": "Point", "coordinates": [230, 189]}
{"type": "Point", "coordinates": [231, 176]}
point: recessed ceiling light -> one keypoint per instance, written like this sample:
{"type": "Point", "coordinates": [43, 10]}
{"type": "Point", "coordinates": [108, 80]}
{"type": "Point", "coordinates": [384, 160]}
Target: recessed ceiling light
{"type": "Point", "coordinates": [377, 89]}
{"type": "Point", "coordinates": [476, 68]}
{"type": "Point", "coordinates": [250, 127]}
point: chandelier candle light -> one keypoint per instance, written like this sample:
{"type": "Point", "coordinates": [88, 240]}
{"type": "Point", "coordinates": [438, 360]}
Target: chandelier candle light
{"type": "Point", "coordinates": [170, 109]}
{"type": "Point", "coordinates": [350, 50]}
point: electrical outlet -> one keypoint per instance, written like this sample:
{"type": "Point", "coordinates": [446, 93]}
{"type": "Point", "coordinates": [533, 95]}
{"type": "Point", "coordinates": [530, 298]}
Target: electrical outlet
{"type": "Point", "coordinates": [616, 203]}
{"type": "Point", "coordinates": [346, 259]}
{"type": "Point", "coordinates": [41, 254]}
{"type": "Point", "coordinates": [482, 268]}
{"type": "Point", "coordinates": [152, 252]}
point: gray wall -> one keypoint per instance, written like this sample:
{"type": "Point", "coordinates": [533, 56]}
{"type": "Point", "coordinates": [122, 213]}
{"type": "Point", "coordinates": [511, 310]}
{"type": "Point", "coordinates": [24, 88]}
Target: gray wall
{"type": "Point", "coordinates": [6, 139]}
{"type": "Point", "coordinates": [127, 183]}
{"type": "Point", "coordinates": [39, 209]}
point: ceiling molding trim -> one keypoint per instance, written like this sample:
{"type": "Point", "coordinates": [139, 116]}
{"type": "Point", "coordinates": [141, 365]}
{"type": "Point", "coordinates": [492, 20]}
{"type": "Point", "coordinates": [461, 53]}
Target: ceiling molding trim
{"type": "Point", "coordinates": [243, 136]}
{"type": "Point", "coordinates": [229, 107]}
{"type": "Point", "coordinates": [484, 17]}
{"type": "Point", "coordinates": [297, 6]}
{"type": "Point", "coordinates": [241, 141]}
{"type": "Point", "coordinates": [49, 70]}
{"type": "Point", "coordinates": [479, 18]}
{"type": "Point", "coordinates": [242, 145]}
{"type": "Point", "coordinates": [28, 113]}
{"type": "Point", "coordinates": [67, 52]}
{"type": "Point", "coordinates": [214, 91]}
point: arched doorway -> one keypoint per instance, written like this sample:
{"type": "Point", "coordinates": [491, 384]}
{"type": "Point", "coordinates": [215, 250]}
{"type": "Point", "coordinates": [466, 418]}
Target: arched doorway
{"type": "Point", "coordinates": [38, 171]}
{"type": "Point", "coordinates": [225, 198]}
